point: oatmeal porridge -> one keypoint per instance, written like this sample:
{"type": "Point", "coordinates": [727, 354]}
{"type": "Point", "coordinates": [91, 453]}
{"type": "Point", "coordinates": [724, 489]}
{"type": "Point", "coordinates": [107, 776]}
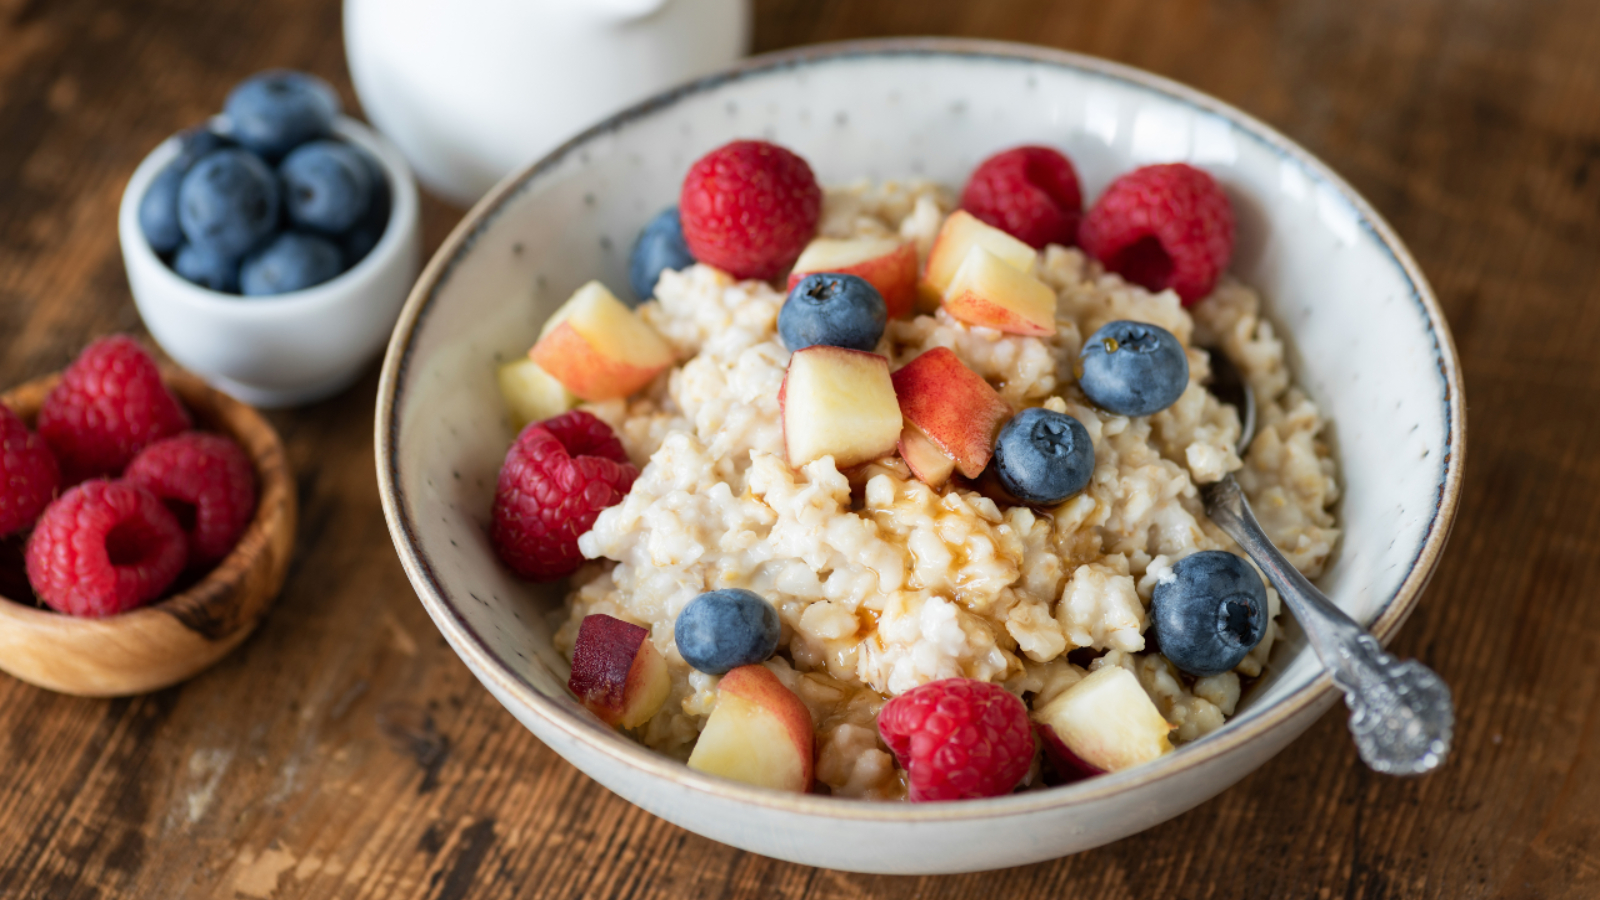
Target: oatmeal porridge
{"type": "Point", "coordinates": [883, 583]}
{"type": "Point", "coordinates": [942, 484]}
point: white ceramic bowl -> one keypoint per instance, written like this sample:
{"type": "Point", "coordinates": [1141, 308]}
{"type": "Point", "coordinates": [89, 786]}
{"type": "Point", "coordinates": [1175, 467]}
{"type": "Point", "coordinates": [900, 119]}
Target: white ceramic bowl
{"type": "Point", "coordinates": [1370, 345]}
{"type": "Point", "coordinates": [293, 348]}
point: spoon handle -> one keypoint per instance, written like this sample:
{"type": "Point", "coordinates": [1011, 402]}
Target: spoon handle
{"type": "Point", "coordinates": [1401, 714]}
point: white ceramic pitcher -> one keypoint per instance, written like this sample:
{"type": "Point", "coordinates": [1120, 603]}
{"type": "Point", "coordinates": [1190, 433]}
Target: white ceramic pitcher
{"type": "Point", "coordinates": [472, 89]}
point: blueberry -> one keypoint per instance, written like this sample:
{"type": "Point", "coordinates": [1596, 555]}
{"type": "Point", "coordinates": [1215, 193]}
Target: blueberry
{"type": "Point", "coordinates": [293, 261]}
{"type": "Point", "coordinates": [326, 186]}
{"type": "Point", "coordinates": [369, 229]}
{"type": "Point", "coordinates": [196, 142]}
{"type": "Point", "coordinates": [228, 202]}
{"type": "Point", "coordinates": [1043, 457]}
{"type": "Point", "coordinates": [725, 629]}
{"type": "Point", "coordinates": [158, 208]}
{"type": "Point", "coordinates": [275, 111]}
{"type": "Point", "coordinates": [1133, 369]}
{"type": "Point", "coordinates": [832, 309]}
{"type": "Point", "coordinates": [660, 246]}
{"type": "Point", "coordinates": [207, 268]}
{"type": "Point", "coordinates": [1210, 613]}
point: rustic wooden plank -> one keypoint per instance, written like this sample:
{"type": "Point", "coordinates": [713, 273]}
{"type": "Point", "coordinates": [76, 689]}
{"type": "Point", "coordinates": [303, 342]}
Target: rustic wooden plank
{"type": "Point", "coordinates": [345, 752]}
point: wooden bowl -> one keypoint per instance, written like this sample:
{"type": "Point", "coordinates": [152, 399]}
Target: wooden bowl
{"type": "Point", "coordinates": [173, 639]}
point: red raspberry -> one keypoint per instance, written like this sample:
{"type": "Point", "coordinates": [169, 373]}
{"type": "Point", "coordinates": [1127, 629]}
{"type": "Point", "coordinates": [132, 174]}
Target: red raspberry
{"type": "Point", "coordinates": [556, 479]}
{"type": "Point", "coordinates": [104, 548]}
{"type": "Point", "coordinates": [1163, 227]}
{"type": "Point", "coordinates": [110, 404]}
{"type": "Point", "coordinates": [207, 482]}
{"type": "Point", "coordinates": [749, 208]}
{"type": "Point", "coordinates": [958, 739]}
{"type": "Point", "coordinates": [29, 476]}
{"type": "Point", "coordinates": [1030, 193]}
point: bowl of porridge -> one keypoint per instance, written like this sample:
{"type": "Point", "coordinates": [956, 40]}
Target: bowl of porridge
{"type": "Point", "coordinates": [856, 516]}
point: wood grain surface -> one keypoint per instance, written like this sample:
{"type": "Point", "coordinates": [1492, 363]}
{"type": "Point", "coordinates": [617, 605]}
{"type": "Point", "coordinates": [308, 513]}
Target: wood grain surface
{"type": "Point", "coordinates": [343, 751]}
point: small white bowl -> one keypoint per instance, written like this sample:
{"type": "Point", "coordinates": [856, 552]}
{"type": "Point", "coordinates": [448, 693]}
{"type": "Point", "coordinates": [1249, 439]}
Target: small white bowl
{"type": "Point", "coordinates": [290, 349]}
{"type": "Point", "coordinates": [1369, 343]}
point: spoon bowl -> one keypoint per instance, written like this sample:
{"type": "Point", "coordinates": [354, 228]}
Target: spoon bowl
{"type": "Point", "coordinates": [1229, 386]}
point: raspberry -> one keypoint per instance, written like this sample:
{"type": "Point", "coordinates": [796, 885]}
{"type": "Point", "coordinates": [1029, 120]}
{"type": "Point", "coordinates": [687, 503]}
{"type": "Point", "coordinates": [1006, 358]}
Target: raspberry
{"type": "Point", "coordinates": [556, 479]}
{"type": "Point", "coordinates": [958, 739]}
{"type": "Point", "coordinates": [29, 476]}
{"type": "Point", "coordinates": [103, 548]}
{"type": "Point", "coordinates": [110, 404]}
{"type": "Point", "coordinates": [749, 208]}
{"type": "Point", "coordinates": [207, 482]}
{"type": "Point", "coordinates": [1030, 193]}
{"type": "Point", "coordinates": [1163, 227]}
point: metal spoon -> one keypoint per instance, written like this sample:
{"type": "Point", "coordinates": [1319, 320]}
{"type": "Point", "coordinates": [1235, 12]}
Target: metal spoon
{"type": "Point", "coordinates": [1401, 714]}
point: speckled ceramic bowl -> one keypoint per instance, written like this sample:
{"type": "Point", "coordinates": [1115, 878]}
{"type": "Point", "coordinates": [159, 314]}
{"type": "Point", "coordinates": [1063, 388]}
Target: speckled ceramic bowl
{"type": "Point", "coordinates": [1370, 345]}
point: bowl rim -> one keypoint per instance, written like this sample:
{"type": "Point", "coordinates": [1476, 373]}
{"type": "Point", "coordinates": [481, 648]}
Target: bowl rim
{"type": "Point", "coordinates": [618, 747]}
{"type": "Point", "coordinates": [404, 210]}
{"type": "Point", "coordinates": [275, 508]}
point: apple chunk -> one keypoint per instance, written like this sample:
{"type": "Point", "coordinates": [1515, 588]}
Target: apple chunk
{"type": "Point", "coordinates": [888, 264]}
{"type": "Point", "coordinates": [840, 403]}
{"type": "Point", "coordinates": [598, 348]}
{"type": "Point", "coordinates": [1105, 723]}
{"type": "Point", "coordinates": [760, 733]}
{"type": "Point", "coordinates": [953, 407]}
{"type": "Point", "coordinates": [960, 233]}
{"type": "Point", "coordinates": [616, 672]}
{"type": "Point", "coordinates": [532, 394]}
{"type": "Point", "coordinates": [987, 291]}
{"type": "Point", "coordinates": [927, 461]}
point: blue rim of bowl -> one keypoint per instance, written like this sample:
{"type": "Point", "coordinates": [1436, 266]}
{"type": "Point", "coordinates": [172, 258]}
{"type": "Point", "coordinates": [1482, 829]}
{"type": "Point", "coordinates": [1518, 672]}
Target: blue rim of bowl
{"type": "Point", "coordinates": [1229, 739]}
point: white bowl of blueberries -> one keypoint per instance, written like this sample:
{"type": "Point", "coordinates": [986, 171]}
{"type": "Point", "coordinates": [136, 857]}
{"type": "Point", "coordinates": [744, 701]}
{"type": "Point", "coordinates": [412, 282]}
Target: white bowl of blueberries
{"type": "Point", "coordinates": [270, 249]}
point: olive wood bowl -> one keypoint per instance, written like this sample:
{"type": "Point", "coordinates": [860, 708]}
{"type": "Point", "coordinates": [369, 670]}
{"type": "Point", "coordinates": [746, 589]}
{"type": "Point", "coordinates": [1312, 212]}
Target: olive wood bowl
{"type": "Point", "coordinates": [177, 637]}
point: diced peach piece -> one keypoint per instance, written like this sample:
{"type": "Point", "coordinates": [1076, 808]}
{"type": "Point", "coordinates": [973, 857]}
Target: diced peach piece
{"type": "Point", "coordinates": [927, 461]}
{"type": "Point", "coordinates": [953, 406]}
{"type": "Point", "coordinates": [598, 348]}
{"type": "Point", "coordinates": [840, 403]}
{"type": "Point", "coordinates": [987, 291]}
{"type": "Point", "coordinates": [960, 233]}
{"type": "Point", "coordinates": [616, 672]}
{"type": "Point", "coordinates": [888, 264]}
{"type": "Point", "coordinates": [532, 394]}
{"type": "Point", "coordinates": [1069, 767]}
{"type": "Point", "coordinates": [760, 733]}
{"type": "Point", "coordinates": [1106, 722]}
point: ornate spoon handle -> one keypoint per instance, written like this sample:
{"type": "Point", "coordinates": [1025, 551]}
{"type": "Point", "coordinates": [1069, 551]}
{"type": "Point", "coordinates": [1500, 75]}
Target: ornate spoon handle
{"type": "Point", "coordinates": [1401, 715]}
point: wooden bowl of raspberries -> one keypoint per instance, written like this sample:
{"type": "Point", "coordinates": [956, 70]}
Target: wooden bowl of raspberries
{"type": "Point", "coordinates": [146, 524]}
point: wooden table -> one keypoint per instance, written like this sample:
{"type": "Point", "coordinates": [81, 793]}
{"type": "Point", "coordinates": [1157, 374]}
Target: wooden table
{"type": "Point", "coordinates": [344, 751]}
